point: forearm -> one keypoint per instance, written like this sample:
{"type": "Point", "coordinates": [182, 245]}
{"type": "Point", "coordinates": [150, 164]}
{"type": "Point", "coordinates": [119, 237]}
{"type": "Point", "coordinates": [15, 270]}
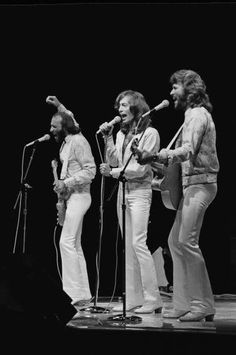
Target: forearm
{"type": "Point", "coordinates": [62, 108]}
{"type": "Point", "coordinates": [145, 157]}
{"type": "Point", "coordinates": [83, 177]}
{"type": "Point", "coordinates": [111, 152]}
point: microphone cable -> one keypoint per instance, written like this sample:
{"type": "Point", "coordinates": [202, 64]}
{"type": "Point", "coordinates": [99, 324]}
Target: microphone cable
{"type": "Point", "coordinates": [56, 251]}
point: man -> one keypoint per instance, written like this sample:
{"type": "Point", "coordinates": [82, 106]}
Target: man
{"type": "Point", "coordinates": [140, 275]}
{"type": "Point", "coordinates": [78, 171]}
{"type": "Point", "coordinates": [195, 150]}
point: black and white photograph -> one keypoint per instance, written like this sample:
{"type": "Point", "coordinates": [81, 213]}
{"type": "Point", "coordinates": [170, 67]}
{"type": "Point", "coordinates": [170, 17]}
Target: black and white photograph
{"type": "Point", "coordinates": [118, 176]}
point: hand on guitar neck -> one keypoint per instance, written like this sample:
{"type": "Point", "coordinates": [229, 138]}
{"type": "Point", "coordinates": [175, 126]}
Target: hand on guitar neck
{"type": "Point", "coordinates": [144, 157]}
{"type": "Point", "coordinates": [59, 185]}
{"type": "Point", "coordinates": [167, 179]}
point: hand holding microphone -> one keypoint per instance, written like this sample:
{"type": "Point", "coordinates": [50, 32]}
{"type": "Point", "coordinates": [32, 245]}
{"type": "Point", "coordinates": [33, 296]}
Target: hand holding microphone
{"type": "Point", "coordinates": [107, 127]}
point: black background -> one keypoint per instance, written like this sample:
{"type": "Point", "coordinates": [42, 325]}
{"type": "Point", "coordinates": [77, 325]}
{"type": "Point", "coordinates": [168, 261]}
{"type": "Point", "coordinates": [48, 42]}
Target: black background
{"type": "Point", "coordinates": [86, 54]}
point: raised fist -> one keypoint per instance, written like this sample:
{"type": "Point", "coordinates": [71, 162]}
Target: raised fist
{"type": "Point", "coordinates": [53, 100]}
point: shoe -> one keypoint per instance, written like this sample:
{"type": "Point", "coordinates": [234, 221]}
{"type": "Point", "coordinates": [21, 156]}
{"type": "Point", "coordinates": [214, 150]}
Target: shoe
{"type": "Point", "coordinates": [148, 308]}
{"type": "Point", "coordinates": [81, 303]}
{"type": "Point", "coordinates": [174, 313]}
{"type": "Point", "coordinates": [166, 289]}
{"type": "Point", "coordinates": [119, 307]}
{"type": "Point", "coordinates": [197, 317]}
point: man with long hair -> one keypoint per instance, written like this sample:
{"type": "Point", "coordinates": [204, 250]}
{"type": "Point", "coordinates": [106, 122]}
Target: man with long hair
{"type": "Point", "coordinates": [195, 151]}
{"type": "Point", "coordinates": [140, 279]}
{"type": "Point", "coordinates": [78, 171]}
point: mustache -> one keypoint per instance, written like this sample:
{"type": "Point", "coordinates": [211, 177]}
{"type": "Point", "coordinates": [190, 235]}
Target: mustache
{"type": "Point", "coordinates": [60, 136]}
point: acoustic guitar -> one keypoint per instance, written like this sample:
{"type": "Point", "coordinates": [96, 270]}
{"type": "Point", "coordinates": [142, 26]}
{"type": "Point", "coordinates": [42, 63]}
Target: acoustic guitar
{"type": "Point", "coordinates": [62, 197]}
{"type": "Point", "coordinates": [167, 180]}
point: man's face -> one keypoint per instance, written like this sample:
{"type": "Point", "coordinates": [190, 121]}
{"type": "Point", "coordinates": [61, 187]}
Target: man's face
{"type": "Point", "coordinates": [178, 96]}
{"type": "Point", "coordinates": [56, 129]}
{"type": "Point", "coordinates": [124, 110]}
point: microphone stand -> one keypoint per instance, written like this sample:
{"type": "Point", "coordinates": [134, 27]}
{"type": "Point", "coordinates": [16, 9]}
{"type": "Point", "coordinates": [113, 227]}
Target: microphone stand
{"type": "Point", "coordinates": [123, 317]}
{"type": "Point", "coordinates": [24, 187]}
{"type": "Point", "coordinates": [95, 308]}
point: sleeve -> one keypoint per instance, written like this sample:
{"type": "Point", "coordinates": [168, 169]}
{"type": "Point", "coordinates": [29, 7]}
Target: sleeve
{"type": "Point", "coordinates": [191, 138]}
{"type": "Point", "coordinates": [62, 108]}
{"type": "Point", "coordinates": [84, 157]}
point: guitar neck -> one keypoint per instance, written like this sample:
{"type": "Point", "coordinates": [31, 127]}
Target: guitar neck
{"type": "Point", "coordinates": [54, 171]}
{"type": "Point", "coordinates": [55, 176]}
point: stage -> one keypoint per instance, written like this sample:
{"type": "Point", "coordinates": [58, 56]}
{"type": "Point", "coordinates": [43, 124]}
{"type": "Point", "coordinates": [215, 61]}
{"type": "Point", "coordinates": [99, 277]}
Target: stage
{"type": "Point", "coordinates": [91, 332]}
{"type": "Point", "coordinates": [97, 330]}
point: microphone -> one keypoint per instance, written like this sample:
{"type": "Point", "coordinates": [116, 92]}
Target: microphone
{"type": "Point", "coordinates": [46, 137]}
{"type": "Point", "coordinates": [163, 104]}
{"type": "Point", "coordinates": [111, 123]}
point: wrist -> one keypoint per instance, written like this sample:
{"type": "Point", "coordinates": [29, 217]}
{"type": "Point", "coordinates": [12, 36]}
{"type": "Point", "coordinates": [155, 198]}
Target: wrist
{"type": "Point", "coordinates": [63, 184]}
{"type": "Point", "coordinates": [106, 134]}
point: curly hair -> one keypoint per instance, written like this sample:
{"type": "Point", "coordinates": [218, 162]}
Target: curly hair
{"type": "Point", "coordinates": [138, 106]}
{"type": "Point", "coordinates": [194, 88]}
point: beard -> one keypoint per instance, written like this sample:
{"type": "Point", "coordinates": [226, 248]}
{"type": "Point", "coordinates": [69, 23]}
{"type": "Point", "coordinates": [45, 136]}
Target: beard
{"type": "Point", "coordinates": [181, 102]}
{"type": "Point", "coordinates": [60, 136]}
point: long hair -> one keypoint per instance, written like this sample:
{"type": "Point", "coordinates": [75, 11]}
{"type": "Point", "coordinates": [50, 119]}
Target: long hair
{"type": "Point", "coordinates": [194, 88]}
{"type": "Point", "coordinates": [68, 123]}
{"type": "Point", "coordinates": [138, 106]}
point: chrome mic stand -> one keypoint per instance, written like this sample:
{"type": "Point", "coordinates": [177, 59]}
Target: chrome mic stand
{"type": "Point", "coordinates": [24, 187]}
{"type": "Point", "coordinates": [123, 317]}
{"type": "Point", "coordinates": [95, 308]}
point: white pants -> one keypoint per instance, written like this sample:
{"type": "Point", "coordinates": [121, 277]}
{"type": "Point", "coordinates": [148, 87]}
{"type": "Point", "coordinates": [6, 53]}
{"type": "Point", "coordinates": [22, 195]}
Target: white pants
{"type": "Point", "coordinates": [191, 285]}
{"type": "Point", "coordinates": [74, 269]}
{"type": "Point", "coordinates": [141, 279]}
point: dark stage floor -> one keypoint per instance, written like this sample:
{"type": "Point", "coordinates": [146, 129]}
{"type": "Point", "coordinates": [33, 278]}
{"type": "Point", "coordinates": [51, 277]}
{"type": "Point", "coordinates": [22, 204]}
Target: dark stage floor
{"type": "Point", "coordinates": [89, 317]}
{"type": "Point", "coordinates": [90, 333]}
{"type": "Point", "coordinates": [153, 333]}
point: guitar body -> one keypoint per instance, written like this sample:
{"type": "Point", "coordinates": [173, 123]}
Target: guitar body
{"type": "Point", "coordinates": [167, 179]}
{"type": "Point", "coordinates": [61, 211]}
{"type": "Point", "coordinates": [169, 184]}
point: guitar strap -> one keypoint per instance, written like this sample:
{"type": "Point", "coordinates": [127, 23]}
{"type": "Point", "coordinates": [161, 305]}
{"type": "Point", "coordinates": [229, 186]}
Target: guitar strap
{"type": "Point", "coordinates": [179, 130]}
{"type": "Point", "coordinates": [175, 137]}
